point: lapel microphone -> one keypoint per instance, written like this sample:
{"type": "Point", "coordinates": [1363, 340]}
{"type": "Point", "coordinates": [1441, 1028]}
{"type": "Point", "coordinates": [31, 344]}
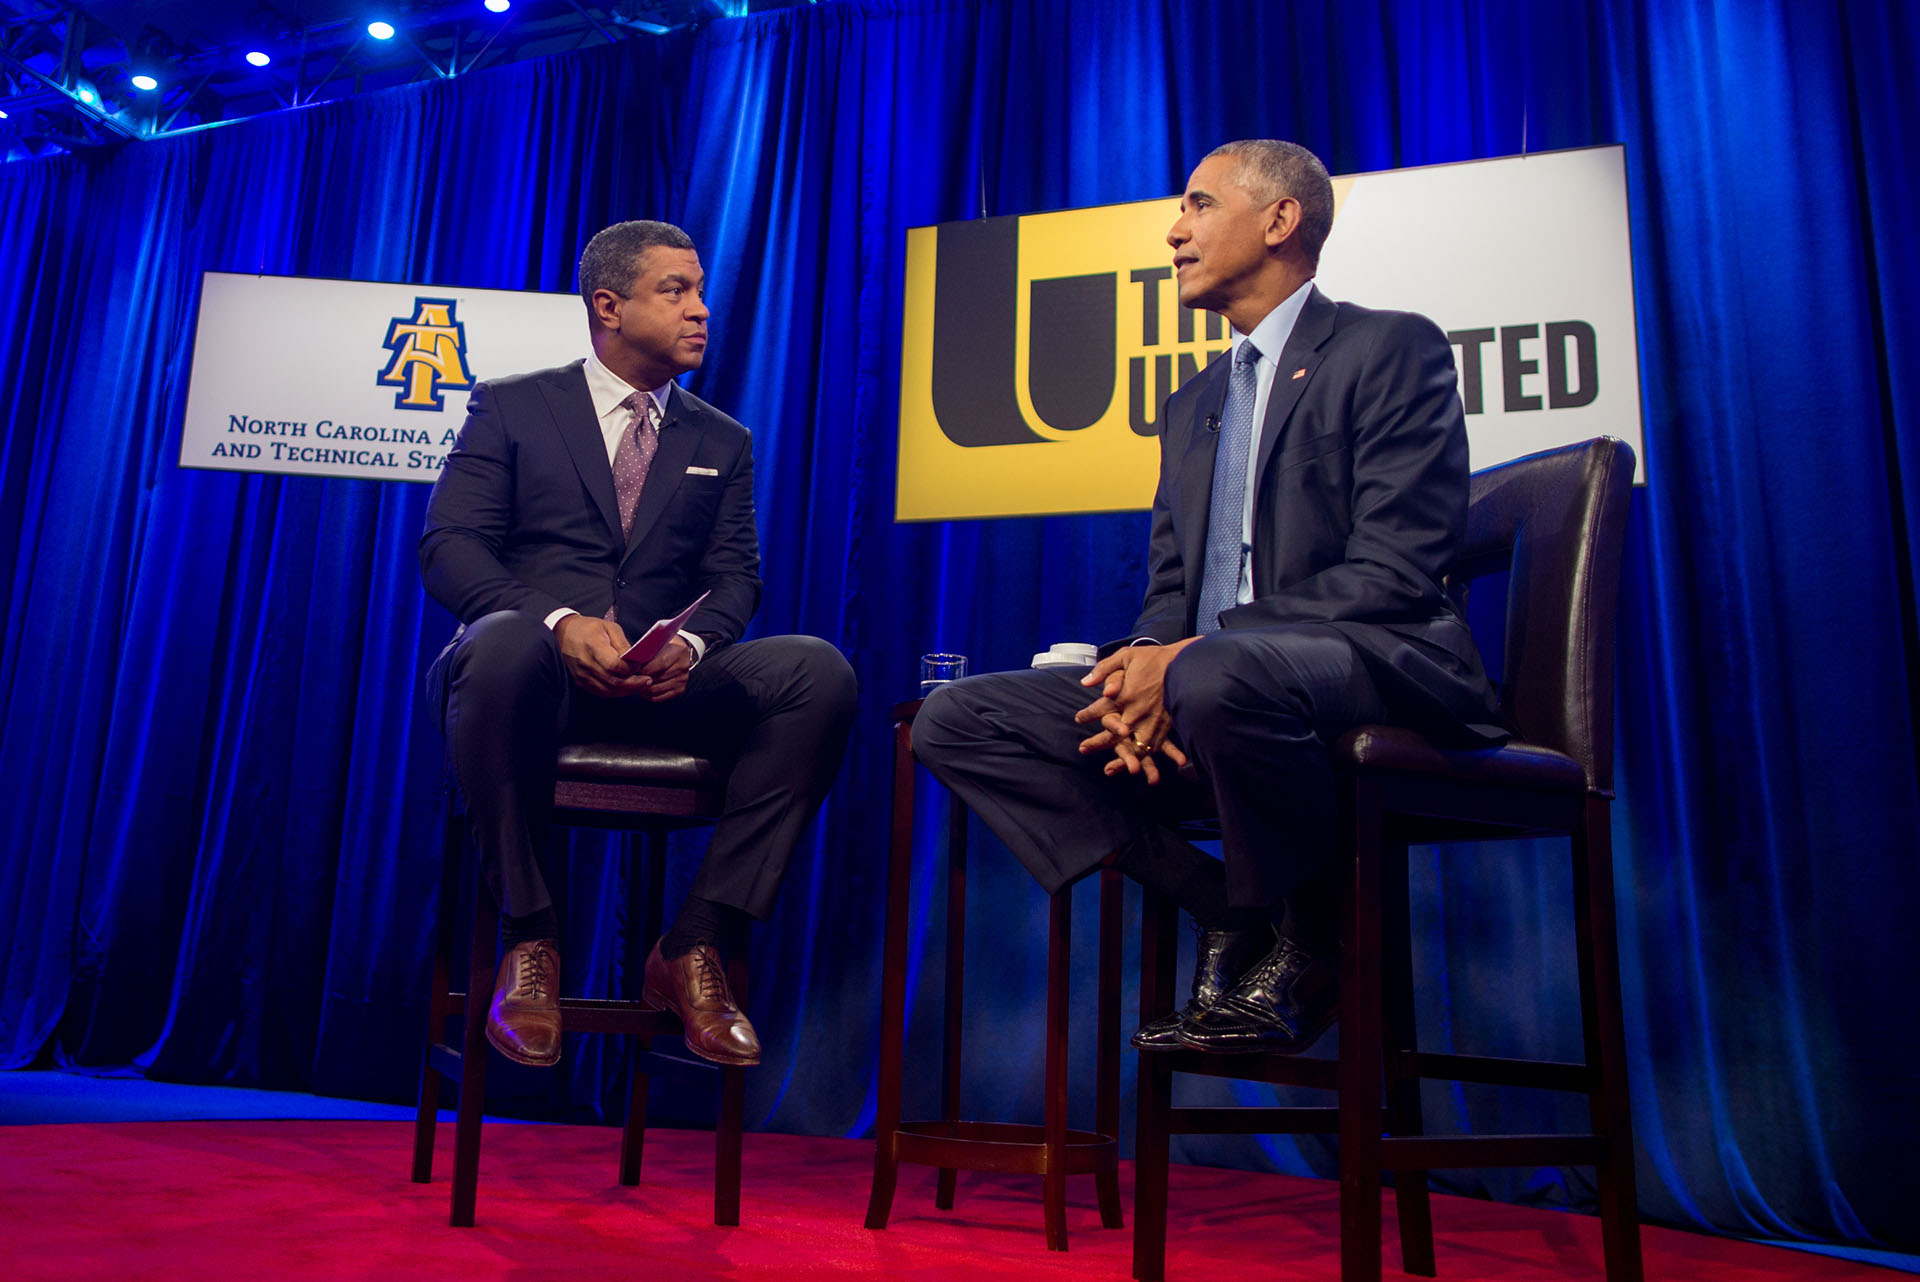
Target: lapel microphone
{"type": "Point", "coordinates": [1213, 423]}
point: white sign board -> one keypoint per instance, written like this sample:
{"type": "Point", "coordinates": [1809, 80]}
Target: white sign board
{"type": "Point", "coordinates": [349, 378]}
{"type": "Point", "coordinates": [1525, 262]}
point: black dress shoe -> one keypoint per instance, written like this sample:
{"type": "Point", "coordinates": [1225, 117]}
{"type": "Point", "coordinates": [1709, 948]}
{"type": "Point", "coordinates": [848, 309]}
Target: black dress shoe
{"type": "Point", "coordinates": [1283, 1004]}
{"type": "Point", "coordinates": [1222, 957]}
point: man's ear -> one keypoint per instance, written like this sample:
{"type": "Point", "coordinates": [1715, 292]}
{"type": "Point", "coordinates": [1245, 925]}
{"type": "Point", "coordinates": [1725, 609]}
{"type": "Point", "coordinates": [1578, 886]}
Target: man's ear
{"type": "Point", "coordinates": [606, 309]}
{"type": "Point", "coordinates": [1283, 221]}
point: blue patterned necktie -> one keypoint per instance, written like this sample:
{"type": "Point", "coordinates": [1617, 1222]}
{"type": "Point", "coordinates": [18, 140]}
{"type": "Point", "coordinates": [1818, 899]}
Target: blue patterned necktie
{"type": "Point", "coordinates": [1220, 581]}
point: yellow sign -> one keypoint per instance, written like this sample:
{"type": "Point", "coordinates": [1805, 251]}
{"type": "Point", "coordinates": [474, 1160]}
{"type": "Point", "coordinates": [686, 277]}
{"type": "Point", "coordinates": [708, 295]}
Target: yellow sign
{"type": "Point", "coordinates": [1038, 352]}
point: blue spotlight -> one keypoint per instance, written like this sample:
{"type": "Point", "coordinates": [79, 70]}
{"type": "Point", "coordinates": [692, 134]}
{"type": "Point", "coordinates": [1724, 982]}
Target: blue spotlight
{"type": "Point", "coordinates": [145, 83]}
{"type": "Point", "coordinates": [87, 95]}
{"type": "Point", "coordinates": [498, 6]}
{"type": "Point", "coordinates": [380, 30]}
{"type": "Point", "coordinates": [258, 58]}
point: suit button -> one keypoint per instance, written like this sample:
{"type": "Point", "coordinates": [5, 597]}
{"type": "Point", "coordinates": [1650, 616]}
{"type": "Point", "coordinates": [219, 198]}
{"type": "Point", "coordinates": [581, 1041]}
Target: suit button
{"type": "Point", "coordinates": [619, 583]}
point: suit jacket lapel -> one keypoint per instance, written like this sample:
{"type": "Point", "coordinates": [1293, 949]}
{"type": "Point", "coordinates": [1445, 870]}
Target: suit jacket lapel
{"type": "Point", "coordinates": [579, 427]}
{"type": "Point", "coordinates": [680, 433]}
{"type": "Point", "coordinates": [1196, 472]}
{"type": "Point", "coordinates": [1298, 361]}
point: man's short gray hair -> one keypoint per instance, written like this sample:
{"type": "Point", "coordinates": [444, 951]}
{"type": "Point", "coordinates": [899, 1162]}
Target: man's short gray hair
{"type": "Point", "coordinates": [612, 258]}
{"type": "Point", "coordinates": [1270, 169]}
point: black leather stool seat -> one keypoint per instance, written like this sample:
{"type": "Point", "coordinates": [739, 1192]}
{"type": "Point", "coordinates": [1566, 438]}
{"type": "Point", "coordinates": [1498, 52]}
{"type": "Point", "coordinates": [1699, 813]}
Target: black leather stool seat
{"type": "Point", "coordinates": [598, 784]}
{"type": "Point", "coordinates": [1512, 764]}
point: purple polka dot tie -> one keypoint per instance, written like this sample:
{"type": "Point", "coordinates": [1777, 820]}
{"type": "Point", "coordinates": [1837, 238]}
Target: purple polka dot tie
{"type": "Point", "coordinates": [638, 443]}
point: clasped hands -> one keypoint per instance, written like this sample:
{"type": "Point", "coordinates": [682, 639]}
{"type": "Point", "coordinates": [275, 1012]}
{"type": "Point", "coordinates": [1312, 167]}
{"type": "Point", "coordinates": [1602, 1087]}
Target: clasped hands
{"type": "Point", "coordinates": [1132, 709]}
{"type": "Point", "coordinates": [592, 650]}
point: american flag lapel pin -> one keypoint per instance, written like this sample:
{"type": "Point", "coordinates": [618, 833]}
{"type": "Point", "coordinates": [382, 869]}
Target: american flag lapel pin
{"type": "Point", "coordinates": [1301, 372]}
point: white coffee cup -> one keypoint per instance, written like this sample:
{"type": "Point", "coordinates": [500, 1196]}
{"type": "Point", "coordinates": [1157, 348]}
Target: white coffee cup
{"type": "Point", "coordinates": [1067, 654]}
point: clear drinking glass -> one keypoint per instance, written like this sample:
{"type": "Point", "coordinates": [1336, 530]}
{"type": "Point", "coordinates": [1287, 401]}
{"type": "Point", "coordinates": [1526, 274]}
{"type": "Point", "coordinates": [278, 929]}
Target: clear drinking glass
{"type": "Point", "coordinates": [938, 669]}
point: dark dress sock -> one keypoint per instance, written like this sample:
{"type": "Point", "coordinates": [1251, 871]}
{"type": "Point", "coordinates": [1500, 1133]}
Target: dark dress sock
{"type": "Point", "coordinates": [1190, 877]}
{"type": "Point", "coordinates": [702, 921]}
{"type": "Point", "coordinates": [1312, 919]}
{"type": "Point", "coordinates": [544, 924]}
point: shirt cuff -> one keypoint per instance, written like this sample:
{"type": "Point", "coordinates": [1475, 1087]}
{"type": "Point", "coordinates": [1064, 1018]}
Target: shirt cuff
{"type": "Point", "coordinates": [697, 645]}
{"type": "Point", "coordinates": [554, 618]}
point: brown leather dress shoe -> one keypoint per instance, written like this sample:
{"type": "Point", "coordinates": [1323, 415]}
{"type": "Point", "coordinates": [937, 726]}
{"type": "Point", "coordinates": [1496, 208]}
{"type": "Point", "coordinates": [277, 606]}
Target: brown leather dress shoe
{"type": "Point", "coordinates": [694, 987]}
{"type": "Point", "coordinates": [524, 1021]}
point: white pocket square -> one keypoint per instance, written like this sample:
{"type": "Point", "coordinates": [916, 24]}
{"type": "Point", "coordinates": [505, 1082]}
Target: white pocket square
{"type": "Point", "coordinates": [703, 471]}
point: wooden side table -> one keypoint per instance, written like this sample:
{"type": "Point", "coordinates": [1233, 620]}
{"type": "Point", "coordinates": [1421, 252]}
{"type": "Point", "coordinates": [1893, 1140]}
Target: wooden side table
{"type": "Point", "coordinates": [1050, 1149]}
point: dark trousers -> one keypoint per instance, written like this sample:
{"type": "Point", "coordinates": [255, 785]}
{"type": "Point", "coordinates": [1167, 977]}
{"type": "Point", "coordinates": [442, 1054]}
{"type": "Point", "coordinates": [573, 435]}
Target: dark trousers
{"type": "Point", "coordinates": [776, 711]}
{"type": "Point", "coordinates": [1253, 708]}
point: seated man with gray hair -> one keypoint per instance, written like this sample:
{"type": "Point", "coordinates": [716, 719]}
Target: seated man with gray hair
{"type": "Point", "coordinates": [1313, 489]}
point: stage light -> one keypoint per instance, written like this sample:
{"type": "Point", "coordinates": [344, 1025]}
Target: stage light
{"type": "Point", "coordinates": [145, 83]}
{"type": "Point", "coordinates": [380, 30]}
{"type": "Point", "coordinates": [498, 6]}
{"type": "Point", "coordinates": [256, 58]}
{"type": "Point", "coordinates": [86, 95]}
{"type": "Point", "coordinates": [3, 115]}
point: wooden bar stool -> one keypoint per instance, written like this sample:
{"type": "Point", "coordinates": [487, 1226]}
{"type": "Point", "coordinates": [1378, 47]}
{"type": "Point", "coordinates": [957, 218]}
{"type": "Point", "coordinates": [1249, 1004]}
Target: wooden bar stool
{"type": "Point", "coordinates": [1553, 524]}
{"type": "Point", "coordinates": [1050, 1149]}
{"type": "Point", "coordinates": [651, 791]}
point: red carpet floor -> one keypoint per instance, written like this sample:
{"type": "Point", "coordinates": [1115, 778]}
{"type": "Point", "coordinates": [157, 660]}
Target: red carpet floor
{"type": "Point", "coordinates": [330, 1199]}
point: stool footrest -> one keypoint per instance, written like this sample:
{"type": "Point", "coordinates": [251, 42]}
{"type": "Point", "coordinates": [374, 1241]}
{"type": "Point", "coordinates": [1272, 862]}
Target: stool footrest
{"type": "Point", "coordinates": [1015, 1148]}
{"type": "Point", "coordinates": [444, 1060]}
{"type": "Point", "coordinates": [592, 1015]}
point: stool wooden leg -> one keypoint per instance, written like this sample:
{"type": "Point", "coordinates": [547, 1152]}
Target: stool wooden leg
{"type": "Point", "coordinates": [1606, 1042]}
{"type": "Point", "coordinates": [1360, 1051]}
{"type": "Point", "coordinates": [952, 1031]}
{"type": "Point", "coordinates": [1159, 933]}
{"type": "Point", "coordinates": [1412, 1206]}
{"type": "Point", "coordinates": [1106, 1180]}
{"type": "Point", "coordinates": [473, 1062]}
{"type": "Point", "coordinates": [633, 1136]}
{"type": "Point", "coordinates": [726, 1163]}
{"type": "Point", "coordinates": [426, 1117]}
{"type": "Point", "coordinates": [647, 882]}
{"type": "Point", "coordinates": [893, 986]}
{"type": "Point", "coordinates": [726, 1134]}
{"type": "Point", "coordinates": [1053, 1188]}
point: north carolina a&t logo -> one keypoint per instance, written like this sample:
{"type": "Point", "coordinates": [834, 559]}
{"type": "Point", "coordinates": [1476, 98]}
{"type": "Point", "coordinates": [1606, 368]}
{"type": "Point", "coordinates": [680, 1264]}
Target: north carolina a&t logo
{"type": "Point", "coordinates": [429, 354]}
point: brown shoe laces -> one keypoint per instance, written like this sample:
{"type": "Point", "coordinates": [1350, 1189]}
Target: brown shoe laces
{"type": "Point", "coordinates": [533, 972]}
{"type": "Point", "coordinates": [712, 980]}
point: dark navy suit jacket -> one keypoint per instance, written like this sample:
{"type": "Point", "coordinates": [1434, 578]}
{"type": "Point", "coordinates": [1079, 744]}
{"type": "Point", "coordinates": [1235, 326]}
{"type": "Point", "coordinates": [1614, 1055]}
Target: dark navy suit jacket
{"type": "Point", "coordinates": [524, 517]}
{"type": "Point", "coordinates": [1359, 505]}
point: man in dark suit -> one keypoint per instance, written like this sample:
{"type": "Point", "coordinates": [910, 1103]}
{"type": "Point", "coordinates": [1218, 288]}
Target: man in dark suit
{"type": "Point", "coordinates": [1313, 487]}
{"type": "Point", "coordinates": [578, 506]}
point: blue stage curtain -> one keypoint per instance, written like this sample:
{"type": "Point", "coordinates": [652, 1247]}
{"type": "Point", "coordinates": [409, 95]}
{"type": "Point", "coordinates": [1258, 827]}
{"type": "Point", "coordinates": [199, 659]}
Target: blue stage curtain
{"type": "Point", "coordinates": [222, 803]}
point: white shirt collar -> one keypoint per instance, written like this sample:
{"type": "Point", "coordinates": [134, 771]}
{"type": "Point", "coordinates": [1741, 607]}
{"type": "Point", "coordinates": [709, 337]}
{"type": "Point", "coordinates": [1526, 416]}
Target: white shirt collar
{"type": "Point", "coordinates": [1273, 331]}
{"type": "Point", "coordinates": [609, 390]}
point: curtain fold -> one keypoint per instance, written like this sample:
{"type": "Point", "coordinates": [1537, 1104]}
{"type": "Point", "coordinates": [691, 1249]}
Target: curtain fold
{"type": "Point", "coordinates": [222, 799]}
